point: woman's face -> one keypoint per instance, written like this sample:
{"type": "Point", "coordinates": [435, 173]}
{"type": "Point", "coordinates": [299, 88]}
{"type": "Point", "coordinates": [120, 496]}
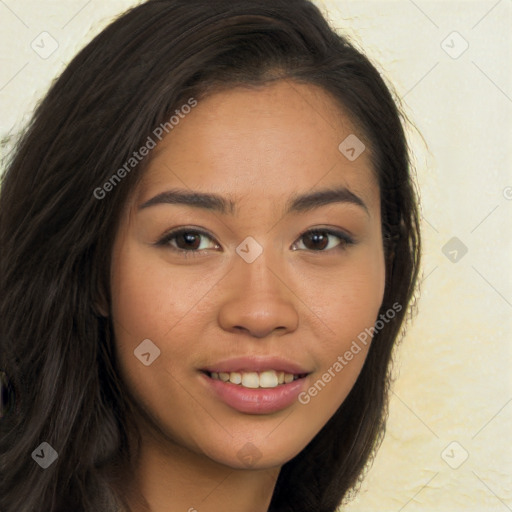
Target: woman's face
{"type": "Point", "coordinates": [272, 282]}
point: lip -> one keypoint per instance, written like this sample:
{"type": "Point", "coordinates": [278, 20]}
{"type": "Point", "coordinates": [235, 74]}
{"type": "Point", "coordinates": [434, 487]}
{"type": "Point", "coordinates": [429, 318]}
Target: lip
{"type": "Point", "coordinates": [256, 364]}
{"type": "Point", "coordinates": [254, 401]}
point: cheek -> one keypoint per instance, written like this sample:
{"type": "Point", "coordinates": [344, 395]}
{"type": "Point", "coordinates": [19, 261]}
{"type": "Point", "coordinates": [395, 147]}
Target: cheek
{"type": "Point", "coordinates": [147, 299]}
{"type": "Point", "coordinates": [138, 314]}
{"type": "Point", "coordinates": [348, 305]}
{"type": "Point", "coordinates": [152, 300]}
{"type": "Point", "coordinates": [149, 304]}
{"type": "Point", "coordinates": [348, 299]}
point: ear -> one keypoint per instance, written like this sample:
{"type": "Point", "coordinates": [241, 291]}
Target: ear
{"type": "Point", "coordinates": [100, 307]}
{"type": "Point", "coordinates": [101, 303]}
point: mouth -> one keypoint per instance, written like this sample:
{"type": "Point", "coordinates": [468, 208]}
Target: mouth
{"type": "Point", "coordinates": [253, 380]}
{"type": "Point", "coordinates": [255, 392]}
{"type": "Point", "coordinates": [255, 384]}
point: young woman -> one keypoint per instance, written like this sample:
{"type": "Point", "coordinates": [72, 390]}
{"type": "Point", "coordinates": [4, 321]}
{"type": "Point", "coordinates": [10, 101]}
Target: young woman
{"type": "Point", "coordinates": [210, 241]}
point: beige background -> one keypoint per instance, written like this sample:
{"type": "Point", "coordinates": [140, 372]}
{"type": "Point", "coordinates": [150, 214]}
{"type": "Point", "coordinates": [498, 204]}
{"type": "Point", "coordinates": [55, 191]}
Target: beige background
{"type": "Point", "coordinates": [453, 368]}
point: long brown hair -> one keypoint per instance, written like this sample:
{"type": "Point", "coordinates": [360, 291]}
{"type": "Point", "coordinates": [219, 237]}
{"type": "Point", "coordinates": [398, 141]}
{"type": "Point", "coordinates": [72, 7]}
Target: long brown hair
{"type": "Point", "coordinates": [56, 235]}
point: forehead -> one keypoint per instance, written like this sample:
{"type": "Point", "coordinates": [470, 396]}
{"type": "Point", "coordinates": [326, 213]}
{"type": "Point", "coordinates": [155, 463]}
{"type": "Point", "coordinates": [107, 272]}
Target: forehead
{"type": "Point", "coordinates": [267, 141]}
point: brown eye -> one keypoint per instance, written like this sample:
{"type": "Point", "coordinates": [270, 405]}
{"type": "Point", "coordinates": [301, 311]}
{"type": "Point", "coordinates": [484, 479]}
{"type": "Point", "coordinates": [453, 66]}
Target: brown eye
{"type": "Point", "coordinates": [316, 240]}
{"type": "Point", "coordinates": [187, 241]}
{"type": "Point", "coordinates": [320, 240]}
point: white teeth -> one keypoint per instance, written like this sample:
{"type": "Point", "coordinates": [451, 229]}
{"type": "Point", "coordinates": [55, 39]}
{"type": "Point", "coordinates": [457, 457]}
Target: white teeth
{"type": "Point", "coordinates": [268, 379]}
{"type": "Point", "coordinates": [253, 380]}
{"type": "Point", "coordinates": [250, 380]}
{"type": "Point", "coordinates": [288, 377]}
{"type": "Point", "coordinates": [235, 378]}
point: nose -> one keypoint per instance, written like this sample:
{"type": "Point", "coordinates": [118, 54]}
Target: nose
{"type": "Point", "coordinates": [259, 301]}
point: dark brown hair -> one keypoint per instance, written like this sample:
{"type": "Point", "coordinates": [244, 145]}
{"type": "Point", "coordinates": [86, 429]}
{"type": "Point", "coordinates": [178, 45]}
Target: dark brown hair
{"type": "Point", "coordinates": [56, 237]}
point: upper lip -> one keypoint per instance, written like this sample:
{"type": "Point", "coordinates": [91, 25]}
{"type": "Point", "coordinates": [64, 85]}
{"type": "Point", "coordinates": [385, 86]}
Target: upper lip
{"type": "Point", "coordinates": [256, 364]}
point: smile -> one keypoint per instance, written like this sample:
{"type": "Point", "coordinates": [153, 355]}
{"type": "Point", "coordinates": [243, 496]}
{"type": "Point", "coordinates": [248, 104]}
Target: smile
{"type": "Point", "coordinates": [254, 380]}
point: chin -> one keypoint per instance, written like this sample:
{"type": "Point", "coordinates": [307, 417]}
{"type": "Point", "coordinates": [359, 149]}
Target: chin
{"type": "Point", "coordinates": [258, 453]}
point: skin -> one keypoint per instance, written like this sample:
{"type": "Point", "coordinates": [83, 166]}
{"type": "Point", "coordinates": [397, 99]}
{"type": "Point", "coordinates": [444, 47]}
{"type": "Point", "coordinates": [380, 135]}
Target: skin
{"type": "Point", "coordinates": [258, 147]}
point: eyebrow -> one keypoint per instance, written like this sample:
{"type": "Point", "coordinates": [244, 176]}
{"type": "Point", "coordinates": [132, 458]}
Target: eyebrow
{"type": "Point", "coordinates": [296, 204]}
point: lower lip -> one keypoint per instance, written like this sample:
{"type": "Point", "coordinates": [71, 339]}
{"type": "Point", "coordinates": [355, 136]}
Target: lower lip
{"type": "Point", "coordinates": [256, 401]}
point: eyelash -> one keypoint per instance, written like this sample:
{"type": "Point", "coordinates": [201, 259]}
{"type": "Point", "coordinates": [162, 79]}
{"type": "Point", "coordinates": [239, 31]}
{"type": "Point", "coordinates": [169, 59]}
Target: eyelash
{"type": "Point", "coordinates": [346, 240]}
